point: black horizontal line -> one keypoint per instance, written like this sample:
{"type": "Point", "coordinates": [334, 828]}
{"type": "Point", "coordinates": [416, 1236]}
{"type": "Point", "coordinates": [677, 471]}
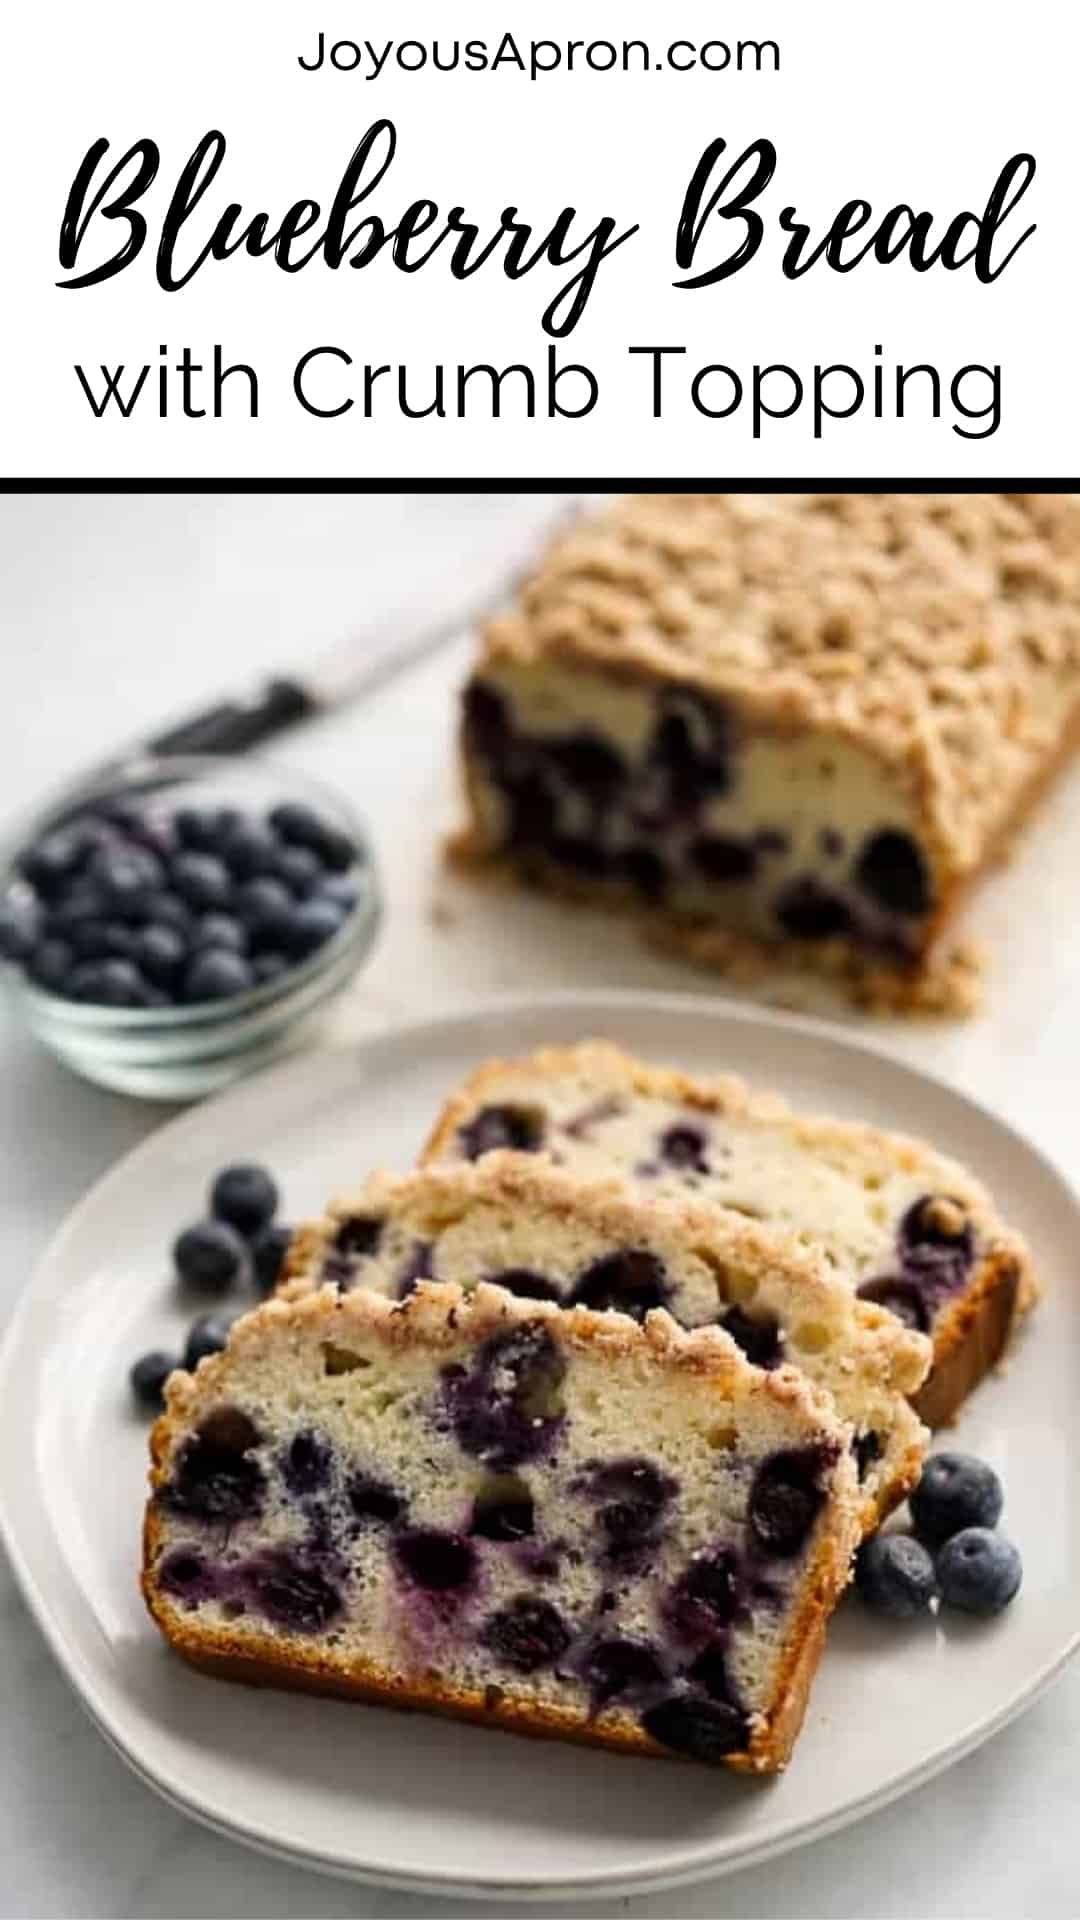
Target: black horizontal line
{"type": "Point", "coordinates": [653, 483]}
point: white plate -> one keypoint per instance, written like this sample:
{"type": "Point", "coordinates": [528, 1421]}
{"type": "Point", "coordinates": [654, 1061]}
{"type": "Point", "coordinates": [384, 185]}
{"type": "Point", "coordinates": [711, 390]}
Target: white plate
{"type": "Point", "coordinates": [426, 1804]}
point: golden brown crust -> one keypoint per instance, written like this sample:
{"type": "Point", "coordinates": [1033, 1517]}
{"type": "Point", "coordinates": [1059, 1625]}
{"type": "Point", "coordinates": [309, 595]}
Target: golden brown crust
{"type": "Point", "coordinates": [439, 1314]}
{"type": "Point", "coordinates": [968, 1340]}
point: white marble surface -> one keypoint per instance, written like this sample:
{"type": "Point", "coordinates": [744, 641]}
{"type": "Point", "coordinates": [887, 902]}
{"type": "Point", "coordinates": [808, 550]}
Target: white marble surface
{"type": "Point", "coordinates": [116, 614]}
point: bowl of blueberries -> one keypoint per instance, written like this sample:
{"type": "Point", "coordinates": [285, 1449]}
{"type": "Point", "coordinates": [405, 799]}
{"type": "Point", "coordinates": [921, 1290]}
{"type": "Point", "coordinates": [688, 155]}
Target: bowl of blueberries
{"type": "Point", "coordinates": [165, 931]}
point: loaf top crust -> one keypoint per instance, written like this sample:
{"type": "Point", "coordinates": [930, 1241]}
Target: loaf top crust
{"type": "Point", "coordinates": [940, 630]}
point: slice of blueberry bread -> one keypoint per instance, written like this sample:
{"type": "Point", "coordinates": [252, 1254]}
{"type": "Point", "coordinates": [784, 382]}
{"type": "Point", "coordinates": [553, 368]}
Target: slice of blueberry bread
{"type": "Point", "coordinates": [559, 1523]}
{"type": "Point", "coordinates": [796, 726]}
{"type": "Point", "coordinates": [911, 1230]}
{"type": "Point", "coordinates": [542, 1234]}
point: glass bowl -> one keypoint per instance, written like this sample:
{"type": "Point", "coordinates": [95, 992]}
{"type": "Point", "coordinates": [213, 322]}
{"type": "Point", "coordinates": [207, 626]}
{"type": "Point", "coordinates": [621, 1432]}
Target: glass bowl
{"type": "Point", "coordinates": [181, 1051]}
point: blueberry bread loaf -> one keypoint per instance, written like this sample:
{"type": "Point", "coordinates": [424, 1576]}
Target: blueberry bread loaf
{"type": "Point", "coordinates": [797, 722]}
{"type": "Point", "coordinates": [541, 1234]}
{"type": "Point", "coordinates": [908, 1228]}
{"type": "Point", "coordinates": [559, 1523]}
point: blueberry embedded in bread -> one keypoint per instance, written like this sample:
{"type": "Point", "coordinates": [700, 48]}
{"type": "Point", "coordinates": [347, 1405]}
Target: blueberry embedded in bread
{"type": "Point", "coordinates": [535, 1230]}
{"type": "Point", "coordinates": [912, 1230]}
{"type": "Point", "coordinates": [557, 1522]}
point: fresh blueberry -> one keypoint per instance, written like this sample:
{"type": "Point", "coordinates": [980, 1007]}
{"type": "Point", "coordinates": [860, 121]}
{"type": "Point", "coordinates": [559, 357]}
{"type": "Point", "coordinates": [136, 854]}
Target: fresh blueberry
{"type": "Point", "coordinates": [217, 974]}
{"type": "Point", "coordinates": [202, 880]}
{"type": "Point", "coordinates": [979, 1571]}
{"type": "Point", "coordinates": [618, 1666]}
{"type": "Point", "coordinates": [125, 876]}
{"type": "Point", "coordinates": [77, 906]}
{"type": "Point", "coordinates": [54, 860]}
{"type": "Point", "coordinates": [808, 911]}
{"type": "Point", "coordinates": [301, 826]}
{"type": "Point", "coordinates": [159, 952]}
{"type": "Point", "coordinates": [633, 1282]}
{"type": "Point", "coordinates": [247, 849]}
{"type": "Point", "coordinates": [895, 1576]}
{"type": "Point", "coordinates": [268, 1250]}
{"type": "Point", "coordinates": [17, 934]}
{"type": "Point", "coordinates": [291, 1590]}
{"type": "Point", "coordinates": [685, 1146]}
{"type": "Point", "coordinates": [311, 924]}
{"type": "Point", "coordinates": [721, 859]}
{"type": "Point", "coordinates": [525, 1283]}
{"type": "Point", "coordinates": [892, 870]}
{"type": "Point", "coordinates": [203, 828]}
{"type": "Point", "coordinates": [148, 1377]}
{"type": "Point", "coordinates": [266, 906]}
{"type": "Point", "coordinates": [518, 1128]}
{"type": "Point", "coordinates": [527, 1634]}
{"type": "Point", "coordinates": [341, 890]}
{"type": "Point", "coordinates": [301, 871]}
{"type": "Point", "coordinates": [307, 1463]}
{"type": "Point", "coordinates": [785, 1500]}
{"type": "Point", "coordinates": [215, 1476]}
{"type": "Point", "coordinates": [955, 1491]}
{"type": "Point", "coordinates": [166, 909]}
{"type": "Point", "coordinates": [440, 1562]}
{"type": "Point", "coordinates": [268, 966]}
{"type": "Point", "coordinates": [109, 983]}
{"type": "Point", "coordinates": [221, 930]}
{"type": "Point", "coordinates": [50, 965]}
{"type": "Point", "coordinates": [701, 1728]}
{"type": "Point", "coordinates": [759, 1335]}
{"type": "Point", "coordinates": [246, 1196]}
{"type": "Point", "coordinates": [104, 940]}
{"type": "Point", "coordinates": [902, 1297]}
{"type": "Point", "coordinates": [504, 1517]}
{"type": "Point", "coordinates": [209, 1334]}
{"type": "Point", "coordinates": [374, 1500]}
{"type": "Point", "coordinates": [209, 1256]}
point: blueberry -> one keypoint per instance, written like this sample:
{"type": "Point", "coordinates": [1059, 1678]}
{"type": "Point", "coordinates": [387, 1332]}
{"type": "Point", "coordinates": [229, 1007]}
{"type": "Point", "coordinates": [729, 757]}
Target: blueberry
{"type": "Point", "coordinates": [785, 1500]}
{"type": "Point", "coordinates": [518, 1128]}
{"type": "Point", "coordinates": [899, 1296]}
{"type": "Point", "coordinates": [633, 1282]}
{"type": "Point", "coordinates": [77, 906]}
{"type": "Point", "coordinates": [341, 890]}
{"type": "Point", "coordinates": [209, 1334]}
{"type": "Point", "coordinates": [17, 936]}
{"type": "Point", "coordinates": [527, 1634]}
{"type": "Point", "coordinates": [936, 1229]}
{"type": "Point", "coordinates": [109, 983]}
{"type": "Point", "coordinates": [808, 911]}
{"type": "Point", "coordinates": [125, 876]}
{"type": "Point", "coordinates": [268, 966]}
{"type": "Point", "coordinates": [215, 1476]}
{"type": "Point", "coordinates": [359, 1235]}
{"type": "Point", "coordinates": [307, 1463]}
{"type": "Point", "coordinates": [580, 853]}
{"type": "Point", "coordinates": [758, 1335]}
{"type": "Point", "coordinates": [892, 869]}
{"type": "Point", "coordinates": [247, 849]}
{"type": "Point", "coordinates": [301, 826]}
{"type": "Point", "coordinates": [503, 1517]}
{"type": "Point", "coordinates": [721, 859]}
{"type": "Point", "coordinates": [166, 909]}
{"type": "Point", "coordinates": [148, 1377]}
{"type": "Point", "coordinates": [266, 907]}
{"type": "Point", "coordinates": [159, 951]}
{"type": "Point", "coordinates": [590, 764]}
{"type": "Point", "coordinates": [531, 806]}
{"type": "Point", "coordinates": [187, 1576]}
{"type": "Point", "coordinates": [268, 1250]}
{"type": "Point", "coordinates": [245, 1196]}
{"type": "Point", "coordinates": [104, 940]}
{"type": "Point", "coordinates": [50, 965]}
{"type": "Point", "coordinates": [525, 1283]}
{"type": "Point", "coordinates": [979, 1571]}
{"type": "Point", "coordinates": [955, 1491]}
{"type": "Point", "coordinates": [54, 860]}
{"type": "Point", "coordinates": [302, 871]}
{"type": "Point", "coordinates": [202, 828]}
{"type": "Point", "coordinates": [685, 1146]}
{"type": "Point", "coordinates": [710, 1672]}
{"type": "Point", "coordinates": [217, 974]}
{"type": "Point", "coordinates": [619, 1666]}
{"type": "Point", "coordinates": [708, 1595]}
{"type": "Point", "coordinates": [440, 1562]}
{"type": "Point", "coordinates": [487, 720]}
{"type": "Point", "coordinates": [222, 930]}
{"type": "Point", "coordinates": [895, 1576]}
{"type": "Point", "coordinates": [202, 880]}
{"type": "Point", "coordinates": [703, 1729]}
{"type": "Point", "coordinates": [374, 1500]}
{"type": "Point", "coordinates": [867, 1448]}
{"type": "Point", "coordinates": [291, 1590]}
{"type": "Point", "coordinates": [415, 1267]}
{"type": "Point", "coordinates": [632, 1495]}
{"type": "Point", "coordinates": [508, 1408]}
{"type": "Point", "coordinates": [311, 924]}
{"type": "Point", "coordinates": [209, 1256]}
{"type": "Point", "coordinates": [645, 870]}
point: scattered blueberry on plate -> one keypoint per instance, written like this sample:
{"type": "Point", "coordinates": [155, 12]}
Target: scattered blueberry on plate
{"type": "Point", "coordinates": [245, 1196]}
{"type": "Point", "coordinates": [955, 1491]}
{"type": "Point", "coordinates": [953, 1558]}
{"type": "Point", "coordinates": [139, 905]}
{"type": "Point", "coordinates": [209, 1256]}
{"type": "Point", "coordinates": [895, 1576]}
{"type": "Point", "coordinates": [980, 1571]}
{"type": "Point", "coordinates": [148, 1377]}
{"type": "Point", "coordinates": [206, 1335]}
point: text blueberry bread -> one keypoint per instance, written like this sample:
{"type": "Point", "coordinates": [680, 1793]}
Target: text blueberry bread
{"type": "Point", "coordinates": [561, 1523]}
{"type": "Point", "coordinates": [803, 722]}
{"type": "Point", "coordinates": [908, 1228]}
{"type": "Point", "coordinates": [543, 1235]}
